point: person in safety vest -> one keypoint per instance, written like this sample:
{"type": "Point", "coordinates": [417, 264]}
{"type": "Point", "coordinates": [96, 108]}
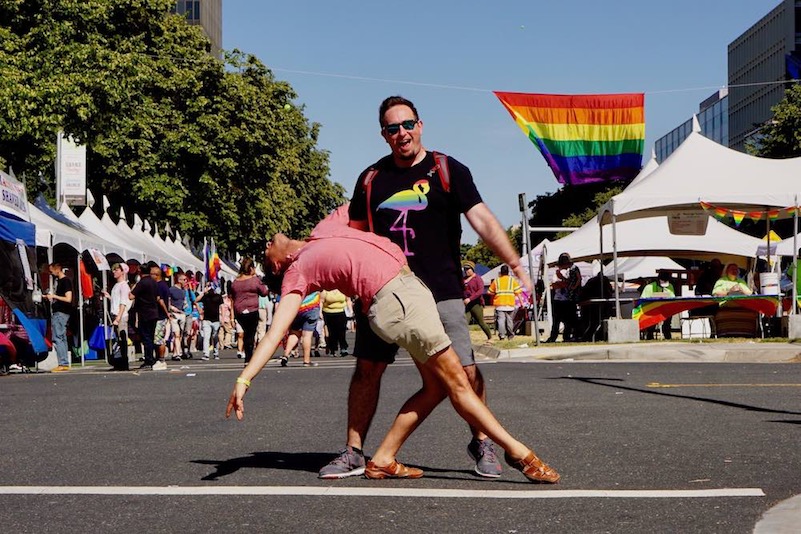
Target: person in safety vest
{"type": "Point", "coordinates": [503, 291]}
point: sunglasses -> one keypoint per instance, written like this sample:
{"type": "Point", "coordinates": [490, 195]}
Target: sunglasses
{"type": "Point", "coordinates": [408, 125]}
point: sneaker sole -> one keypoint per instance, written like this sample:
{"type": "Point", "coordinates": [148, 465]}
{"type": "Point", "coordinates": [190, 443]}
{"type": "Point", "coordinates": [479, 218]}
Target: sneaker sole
{"type": "Point", "coordinates": [334, 476]}
{"type": "Point", "coordinates": [477, 471]}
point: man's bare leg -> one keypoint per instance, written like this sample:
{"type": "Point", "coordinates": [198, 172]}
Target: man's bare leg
{"type": "Point", "coordinates": [445, 368]}
{"type": "Point", "coordinates": [476, 380]}
{"type": "Point", "coordinates": [365, 387]}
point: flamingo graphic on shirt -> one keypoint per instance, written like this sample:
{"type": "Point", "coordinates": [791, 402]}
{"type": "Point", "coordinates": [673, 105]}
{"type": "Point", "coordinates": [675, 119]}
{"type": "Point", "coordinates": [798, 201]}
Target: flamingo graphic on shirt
{"type": "Point", "coordinates": [413, 199]}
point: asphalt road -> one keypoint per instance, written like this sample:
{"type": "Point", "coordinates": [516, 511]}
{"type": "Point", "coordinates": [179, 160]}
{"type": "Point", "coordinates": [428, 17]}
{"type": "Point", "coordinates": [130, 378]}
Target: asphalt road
{"type": "Point", "coordinates": [710, 449]}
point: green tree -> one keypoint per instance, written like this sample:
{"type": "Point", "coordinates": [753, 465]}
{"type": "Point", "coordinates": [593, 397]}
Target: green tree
{"type": "Point", "coordinates": [570, 206]}
{"type": "Point", "coordinates": [481, 253]}
{"type": "Point", "coordinates": [781, 136]}
{"type": "Point", "coordinates": [578, 219]}
{"type": "Point", "coordinates": [215, 148]}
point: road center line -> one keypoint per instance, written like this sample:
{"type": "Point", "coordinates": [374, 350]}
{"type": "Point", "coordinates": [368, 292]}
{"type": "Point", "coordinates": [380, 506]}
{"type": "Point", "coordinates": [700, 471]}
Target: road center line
{"type": "Point", "coordinates": [323, 491]}
{"type": "Point", "coordinates": [658, 385]}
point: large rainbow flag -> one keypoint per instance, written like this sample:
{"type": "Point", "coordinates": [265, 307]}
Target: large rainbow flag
{"type": "Point", "coordinates": [583, 138]}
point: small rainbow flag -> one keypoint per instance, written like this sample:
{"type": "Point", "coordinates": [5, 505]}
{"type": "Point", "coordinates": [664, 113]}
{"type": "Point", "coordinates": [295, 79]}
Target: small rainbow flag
{"type": "Point", "coordinates": [212, 263]}
{"type": "Point", "coordinates": [583, 138]}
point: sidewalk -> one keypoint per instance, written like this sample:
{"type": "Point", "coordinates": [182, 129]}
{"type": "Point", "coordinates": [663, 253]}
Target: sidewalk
{"type": "Point", "coordinates": [675, 351]}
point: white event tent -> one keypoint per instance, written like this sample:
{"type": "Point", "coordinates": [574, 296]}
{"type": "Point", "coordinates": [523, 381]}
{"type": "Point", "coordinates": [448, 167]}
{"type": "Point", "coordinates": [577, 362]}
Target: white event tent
{"type": "Point", "coordinates": [53, 228]}
{"type": "Point", "coordinates": [701, 170]}
{"type": "Point", "coordinates": [652, 237]}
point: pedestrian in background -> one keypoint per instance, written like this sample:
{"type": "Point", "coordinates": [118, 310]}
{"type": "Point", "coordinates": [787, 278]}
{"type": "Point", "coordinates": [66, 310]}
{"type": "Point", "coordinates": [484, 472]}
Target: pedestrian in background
{"type": "Point", "coordinates": [474, 298]}
{"type": "Point", "coordinates": [61, 308]}
{"type": "Point", "coordinates": [245, 291]}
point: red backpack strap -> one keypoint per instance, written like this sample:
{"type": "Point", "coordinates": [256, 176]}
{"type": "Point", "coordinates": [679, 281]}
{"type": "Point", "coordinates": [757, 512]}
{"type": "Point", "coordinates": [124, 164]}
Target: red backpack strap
{"type": "Point", "coordinates": [367, 184]}
{"type": "Point", "coordinates": [443, 171]}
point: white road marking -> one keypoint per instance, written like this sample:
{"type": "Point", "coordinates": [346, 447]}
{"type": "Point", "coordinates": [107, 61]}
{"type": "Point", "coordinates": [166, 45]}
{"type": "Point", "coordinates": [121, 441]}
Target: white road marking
{"type": "Point", "coordinates": [324, 491]}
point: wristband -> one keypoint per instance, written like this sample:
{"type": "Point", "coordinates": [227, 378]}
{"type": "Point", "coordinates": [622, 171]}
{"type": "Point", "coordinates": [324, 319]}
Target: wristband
{"type": "Point", "coordinates": [240, 380]}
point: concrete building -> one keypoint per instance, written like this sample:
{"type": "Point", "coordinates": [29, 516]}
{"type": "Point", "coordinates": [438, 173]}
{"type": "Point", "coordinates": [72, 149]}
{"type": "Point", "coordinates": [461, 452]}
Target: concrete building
{"type": "Point", "coordinates": [208, 15]}
{"type": "Point", "coordinates": [713, 117]}
{"type": "Point", "coordinates": [757, 59]}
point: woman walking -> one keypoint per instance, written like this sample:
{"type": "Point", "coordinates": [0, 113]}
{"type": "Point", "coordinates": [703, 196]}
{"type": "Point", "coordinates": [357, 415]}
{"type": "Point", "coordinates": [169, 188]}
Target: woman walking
{"type": "Point", "coordinates": [245, 292]}
{"type": "Point", "coordinates": [473, 295]}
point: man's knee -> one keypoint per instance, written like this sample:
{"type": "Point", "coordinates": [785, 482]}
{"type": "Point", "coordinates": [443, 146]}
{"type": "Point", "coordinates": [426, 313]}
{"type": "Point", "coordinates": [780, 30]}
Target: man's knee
{"type": "Point", "coordinates": [368, 372]}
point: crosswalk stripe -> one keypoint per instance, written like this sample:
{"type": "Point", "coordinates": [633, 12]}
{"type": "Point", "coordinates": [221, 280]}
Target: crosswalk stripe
{"type": "Point", "coordinates": [325, 491]}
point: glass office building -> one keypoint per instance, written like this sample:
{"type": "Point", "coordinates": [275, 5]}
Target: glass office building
{"type": "Point", "coordinates": [206, 14]}
{"type": "Point", "coordinates": [757, 60]}
{"type": "Point", "coordinates": [713, 117]}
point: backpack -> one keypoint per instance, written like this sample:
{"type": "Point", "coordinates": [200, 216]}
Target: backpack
{"type": "Point", "coordinates": [440, 167]}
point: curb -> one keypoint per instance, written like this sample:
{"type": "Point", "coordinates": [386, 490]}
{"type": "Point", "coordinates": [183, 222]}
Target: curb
{"type": "Point", "coordinates": [753, 352]}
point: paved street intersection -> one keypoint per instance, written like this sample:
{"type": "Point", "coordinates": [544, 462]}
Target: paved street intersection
{"type": "Point", "coordinates": [662, 447]}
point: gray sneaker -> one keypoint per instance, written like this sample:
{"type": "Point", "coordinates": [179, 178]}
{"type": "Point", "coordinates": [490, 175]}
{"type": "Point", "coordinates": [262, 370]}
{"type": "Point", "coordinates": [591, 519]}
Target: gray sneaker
{"type": "Point", "coordinates": [482, 452]}
{"type": "Point", "coordinates": [349, 463]}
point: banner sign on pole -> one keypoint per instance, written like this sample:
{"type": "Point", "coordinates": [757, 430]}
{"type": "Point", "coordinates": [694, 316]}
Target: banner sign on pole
{"type": "Point", "coordinates": [70, 172]}
{"type": "Point", "coordinates": [13, 198]}
{"type": "Point", "coordinates": [99, 259]}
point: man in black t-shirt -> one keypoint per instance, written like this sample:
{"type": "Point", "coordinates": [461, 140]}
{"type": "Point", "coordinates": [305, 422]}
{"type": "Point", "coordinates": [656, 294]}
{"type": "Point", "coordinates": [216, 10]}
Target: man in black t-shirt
{"type": "Point", "coordinates": [161, 332]}
{"type": "Point", "coordinates": [211, 300]}
{"type": "Point", "coordinates": [417, 200]}
{"type": "Point", "coordinates": [61, 307]}
{"type": "Point", "coordinates": [145, 293]}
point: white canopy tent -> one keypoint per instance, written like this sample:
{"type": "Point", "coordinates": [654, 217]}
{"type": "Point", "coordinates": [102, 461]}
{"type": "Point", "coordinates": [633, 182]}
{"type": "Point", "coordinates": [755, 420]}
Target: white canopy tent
{"type": "Point", "coordinates": [53, 228]}
{"type": "Point", "coordinates": [652, 237]}
{"type": "Point", "coordinates": [702, 170]}
{"type": "Point", "coordinates": [639, 267]}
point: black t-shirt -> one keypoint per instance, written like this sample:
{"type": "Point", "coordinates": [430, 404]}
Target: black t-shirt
{"type": "Point", "coordinates": [412, 209]}
{"type": "Point", "coordinates": [211, 306]}
{"type": "Point", "coordinates": [164, 294]}
{"type": "Point", "coordinates": [145, 292]}
{"type": "Point", "coordinates": [63, 286]}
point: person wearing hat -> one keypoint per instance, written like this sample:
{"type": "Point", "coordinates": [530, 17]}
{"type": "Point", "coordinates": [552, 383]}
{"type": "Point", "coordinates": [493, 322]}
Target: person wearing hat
{"type": "Point", "coordinates": [473, 295]}
{"type": "Point", "coordinates": [120, 302]}
{"type": "Point", "coordinates": [566, 285]}
{"type": "Point", "coordinates": [661, 287]}
{"type": "Point", "coordinates": [504, 289]}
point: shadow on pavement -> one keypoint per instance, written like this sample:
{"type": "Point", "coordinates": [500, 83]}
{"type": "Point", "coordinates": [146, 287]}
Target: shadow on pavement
{"type": "Point", "coordinates": [310, 462]}
{"type": "Point", "coordinates": [294, 461]}
{"type": "Point", "coordinates": [617, 385]}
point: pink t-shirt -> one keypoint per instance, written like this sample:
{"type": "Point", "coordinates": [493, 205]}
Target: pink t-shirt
{"type": "Point", "coordinates": [337, 256]}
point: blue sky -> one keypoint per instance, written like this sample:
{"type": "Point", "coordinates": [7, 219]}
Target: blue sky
{"type": "Point", "coordinates": [343, 58]}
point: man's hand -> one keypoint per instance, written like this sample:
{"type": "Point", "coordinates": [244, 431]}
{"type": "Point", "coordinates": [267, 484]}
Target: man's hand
{"type": "Point", "coordinates": [522, 276]}
{"type": "Point", "coordinates": [236, 402]}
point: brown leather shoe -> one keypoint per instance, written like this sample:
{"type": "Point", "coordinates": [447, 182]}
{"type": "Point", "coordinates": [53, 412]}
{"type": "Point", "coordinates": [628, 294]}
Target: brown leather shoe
{"type": "Point", "coordinates": [393, 470]}
{"type": "Point", "coordinates": [534, 469]}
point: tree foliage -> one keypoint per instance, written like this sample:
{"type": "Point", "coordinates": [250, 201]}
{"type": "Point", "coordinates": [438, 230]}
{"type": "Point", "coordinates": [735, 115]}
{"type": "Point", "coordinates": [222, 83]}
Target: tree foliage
{"type": "Point", "coordinates": [570, 206]}
{"type": "Point", "coordinates": [215, 148]}
{"type": "Point", "coordinates": [480, 252]}
{"type": "Point", "coordinates": [600, 198]}
{"type": "Point", "coordinates": [781, 137]}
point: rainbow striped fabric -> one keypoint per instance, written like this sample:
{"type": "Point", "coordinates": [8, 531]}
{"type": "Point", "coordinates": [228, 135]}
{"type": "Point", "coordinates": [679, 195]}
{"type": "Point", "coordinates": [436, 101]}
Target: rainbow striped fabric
{"type": "Point", "coordinates": [583, 138]}
{"type": "Point", "coordinates": [211, 262]}
{"type": "Point", "coordinates": [653, 311]}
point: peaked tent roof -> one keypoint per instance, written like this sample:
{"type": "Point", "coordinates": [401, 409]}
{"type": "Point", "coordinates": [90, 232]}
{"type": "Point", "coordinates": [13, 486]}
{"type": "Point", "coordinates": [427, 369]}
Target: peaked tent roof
{"type": "Point", "coordinates": [642, 266]}
{"type": "Point", "coordinates": [651, 237]}
{"type": "Point", "coordinates": [702, 170]}
{"type": "Point", "coordinates": [64, 230]}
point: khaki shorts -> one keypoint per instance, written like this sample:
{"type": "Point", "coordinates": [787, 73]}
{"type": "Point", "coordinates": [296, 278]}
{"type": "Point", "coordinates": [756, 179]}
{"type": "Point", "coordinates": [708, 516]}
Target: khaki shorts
{"type": "Point", "coordinates": [161, 333]}
{"type": "Point", "coordinates": [404, 312]}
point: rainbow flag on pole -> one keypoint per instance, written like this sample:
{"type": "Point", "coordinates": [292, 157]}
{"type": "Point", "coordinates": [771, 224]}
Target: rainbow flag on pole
{"type": "Point", "coordinates": [583, 138]}
{"type": "Point", "coordinates": [212, 263]}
